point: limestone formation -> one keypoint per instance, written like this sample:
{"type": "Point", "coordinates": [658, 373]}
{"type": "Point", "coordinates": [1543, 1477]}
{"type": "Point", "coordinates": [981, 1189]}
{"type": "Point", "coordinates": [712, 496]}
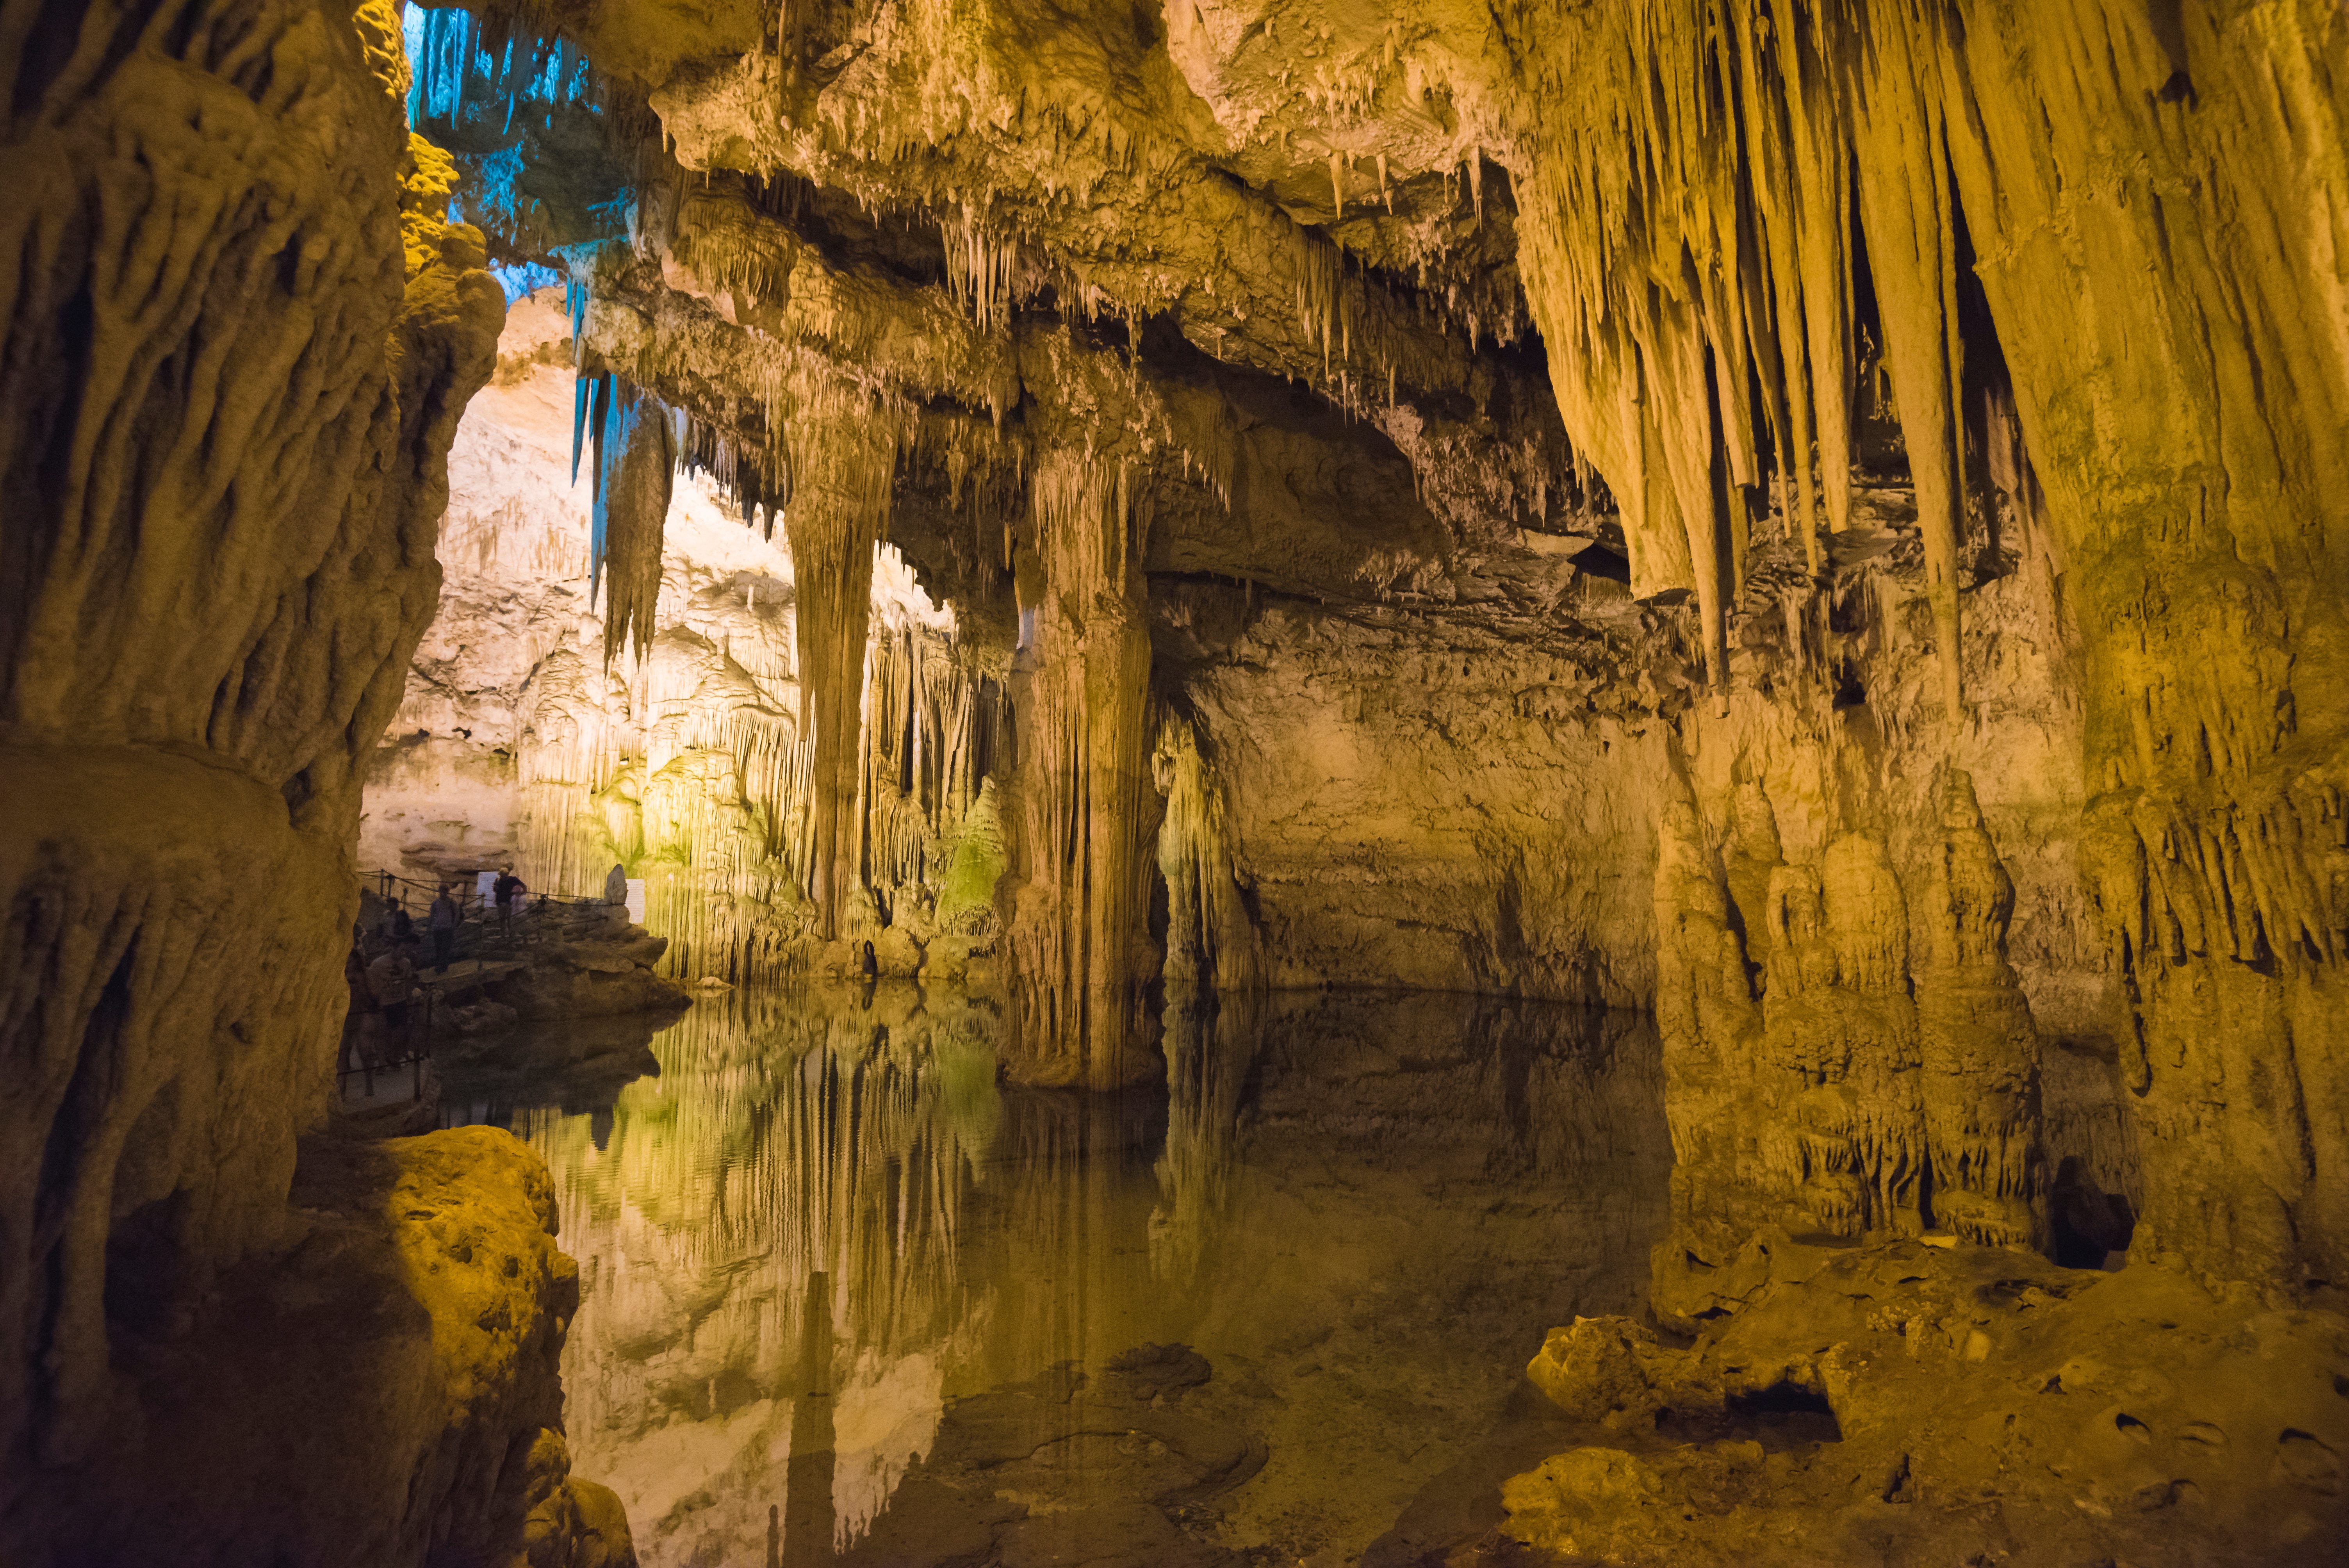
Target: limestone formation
{"type": "Point", "coordinates": [1820, 523]}
{"type": "Point", "coordinates": [1901, 1401]}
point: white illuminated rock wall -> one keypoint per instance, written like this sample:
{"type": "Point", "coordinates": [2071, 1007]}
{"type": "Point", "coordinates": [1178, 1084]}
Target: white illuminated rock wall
{"type": "Point", "coordinates": [517, 742]}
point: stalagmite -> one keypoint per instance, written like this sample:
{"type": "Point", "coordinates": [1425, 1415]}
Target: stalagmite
{"type": "Point", "coordinates": [1839, 1020]}
{"type": "Point", "coordinates": [1981, 1049]}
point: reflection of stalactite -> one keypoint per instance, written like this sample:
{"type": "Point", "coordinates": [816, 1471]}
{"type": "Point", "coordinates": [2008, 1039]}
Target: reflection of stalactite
{"type": "Point", "coordinates": [1066, 1243]}
{"type": "Point", "coordinates": [1077, 938]}
{"type": "Point", "coordinates": [786, 1138]}
{"type": "Point", "coordinates": [812, 1516]}
{"type": "Point", "coordinates": [1211, 1042]}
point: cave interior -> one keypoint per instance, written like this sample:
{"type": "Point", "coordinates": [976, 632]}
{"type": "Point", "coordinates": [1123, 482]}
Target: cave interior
{"type": "Point", "coordinates": [1698, 648]}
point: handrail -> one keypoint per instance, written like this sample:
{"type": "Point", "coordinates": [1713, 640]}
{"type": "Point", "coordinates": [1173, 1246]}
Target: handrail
{"type": "Point", "coordinates": [472, 906]}
{"type": "Point", "coordinates": [467, 891]}
{"type": "Point", "coordinates": [418, 1050]}
{"type": "Point", "coordinates": [415, 1059]}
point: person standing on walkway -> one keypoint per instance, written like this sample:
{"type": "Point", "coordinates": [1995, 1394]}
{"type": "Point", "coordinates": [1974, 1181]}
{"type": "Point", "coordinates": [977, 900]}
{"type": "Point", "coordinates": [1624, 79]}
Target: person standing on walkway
{"type": "Point", "coordinates": [392, 979]}
{"type": "Point", "coordinates": [505, 890]}
{"type": "Point", "coordinates": [443, 924]}
{"type": "Point", "coordinates": [355, 1022]}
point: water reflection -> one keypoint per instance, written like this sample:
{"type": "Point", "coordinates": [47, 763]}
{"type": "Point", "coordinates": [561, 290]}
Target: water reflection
{"type": "Point", "coordinates": [844, 1298]}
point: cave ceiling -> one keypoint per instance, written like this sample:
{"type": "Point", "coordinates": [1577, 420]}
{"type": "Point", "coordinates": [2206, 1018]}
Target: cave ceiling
{"type": "Point", "coordinates": [1262, 259]}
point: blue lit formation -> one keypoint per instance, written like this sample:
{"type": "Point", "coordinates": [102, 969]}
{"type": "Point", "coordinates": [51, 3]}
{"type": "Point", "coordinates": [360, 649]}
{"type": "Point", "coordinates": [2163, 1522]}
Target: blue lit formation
{"type": "Point", "coordinates": [450, 52]}
{"type": "Point", "coordinates": [520, 279]}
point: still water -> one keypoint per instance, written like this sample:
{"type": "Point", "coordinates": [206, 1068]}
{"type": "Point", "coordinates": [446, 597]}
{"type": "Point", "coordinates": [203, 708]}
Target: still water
{"type": "Point", "coordinates": [846, 1298]}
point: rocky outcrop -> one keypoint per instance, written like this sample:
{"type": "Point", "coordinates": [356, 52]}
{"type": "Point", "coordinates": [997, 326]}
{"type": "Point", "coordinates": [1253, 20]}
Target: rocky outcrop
{"type": "Point", "coordinates": [380, 1386]}
{"type": "Point", "coordinates": [1899, 1399]}
{"type": "Point", "coordinates": [566, 979]}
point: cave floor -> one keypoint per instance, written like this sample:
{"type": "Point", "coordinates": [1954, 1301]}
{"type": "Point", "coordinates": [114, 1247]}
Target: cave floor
{"type": "Point", "coordinates": [846, 1298]}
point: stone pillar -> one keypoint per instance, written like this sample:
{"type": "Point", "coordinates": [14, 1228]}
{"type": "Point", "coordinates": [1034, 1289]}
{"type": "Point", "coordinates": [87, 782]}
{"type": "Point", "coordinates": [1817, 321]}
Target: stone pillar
{"type": "Point", "coordinates": [1079, 953]}
{"type": "Point", "coordinates": [844, 464]}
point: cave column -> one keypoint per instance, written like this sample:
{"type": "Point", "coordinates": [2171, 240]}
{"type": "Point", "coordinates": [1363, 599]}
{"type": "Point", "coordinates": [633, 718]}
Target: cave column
{"type": "Point", "coordinates": [843, 463]}
{"type": "Point", "coordinates": [2205, 536]}
{"type": "Point", "coordinates": [1080, 950]}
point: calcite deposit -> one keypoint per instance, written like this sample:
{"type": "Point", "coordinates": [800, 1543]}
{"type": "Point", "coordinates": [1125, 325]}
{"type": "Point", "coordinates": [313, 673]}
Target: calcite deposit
{"type": "Point", "coordinates": [1820, 522]}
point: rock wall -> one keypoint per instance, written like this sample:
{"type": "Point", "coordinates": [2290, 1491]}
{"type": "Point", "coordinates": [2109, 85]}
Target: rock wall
{"type": "Point", "coordinates": [381, 1387]}
{"type": "Point", "coordinates": [235, 339]}
{"type": "Point", "coordinates": [226, 410]}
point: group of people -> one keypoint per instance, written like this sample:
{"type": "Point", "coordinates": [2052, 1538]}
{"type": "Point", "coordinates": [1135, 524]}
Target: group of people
{"type": "Point", "coordinates": [383, 984]}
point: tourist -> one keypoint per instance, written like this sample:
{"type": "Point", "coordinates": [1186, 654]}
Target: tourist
{"type": "Point", "coordinates": [362, 1000]}
{"type": "Point", "coordinates": [392, 981]}
{"type": "Point", "coordinates": [506, 889]}
{"type": "Point", "coordinates": [443, 924]}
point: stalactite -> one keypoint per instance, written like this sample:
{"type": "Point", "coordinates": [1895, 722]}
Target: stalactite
{"type": "Point", "coordinates": [635, 455]}
{"type": "Point", "coordinates": [981, 269]}
{"type": "Point", "coordinates": [1909, 212]}
{"type": "Point", "coordinates": [1687, 238]}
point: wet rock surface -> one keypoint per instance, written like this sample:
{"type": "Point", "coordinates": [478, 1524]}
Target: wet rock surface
{"type": "Point", "coordinates": [406, 1322]}
{"type": "Point", "coordinates": [1962, 1401]}
{"type": "Point", "coordinates": [1065, 1469]}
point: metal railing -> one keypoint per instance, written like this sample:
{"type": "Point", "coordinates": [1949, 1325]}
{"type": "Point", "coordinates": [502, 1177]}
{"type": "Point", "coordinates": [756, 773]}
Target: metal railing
{"type": "Point", "coordinates": [414, 1061]}
{"type": "Point", "coordinates": [416, 1050]}
{"type": "Point", "coordinates": [471, 907]}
